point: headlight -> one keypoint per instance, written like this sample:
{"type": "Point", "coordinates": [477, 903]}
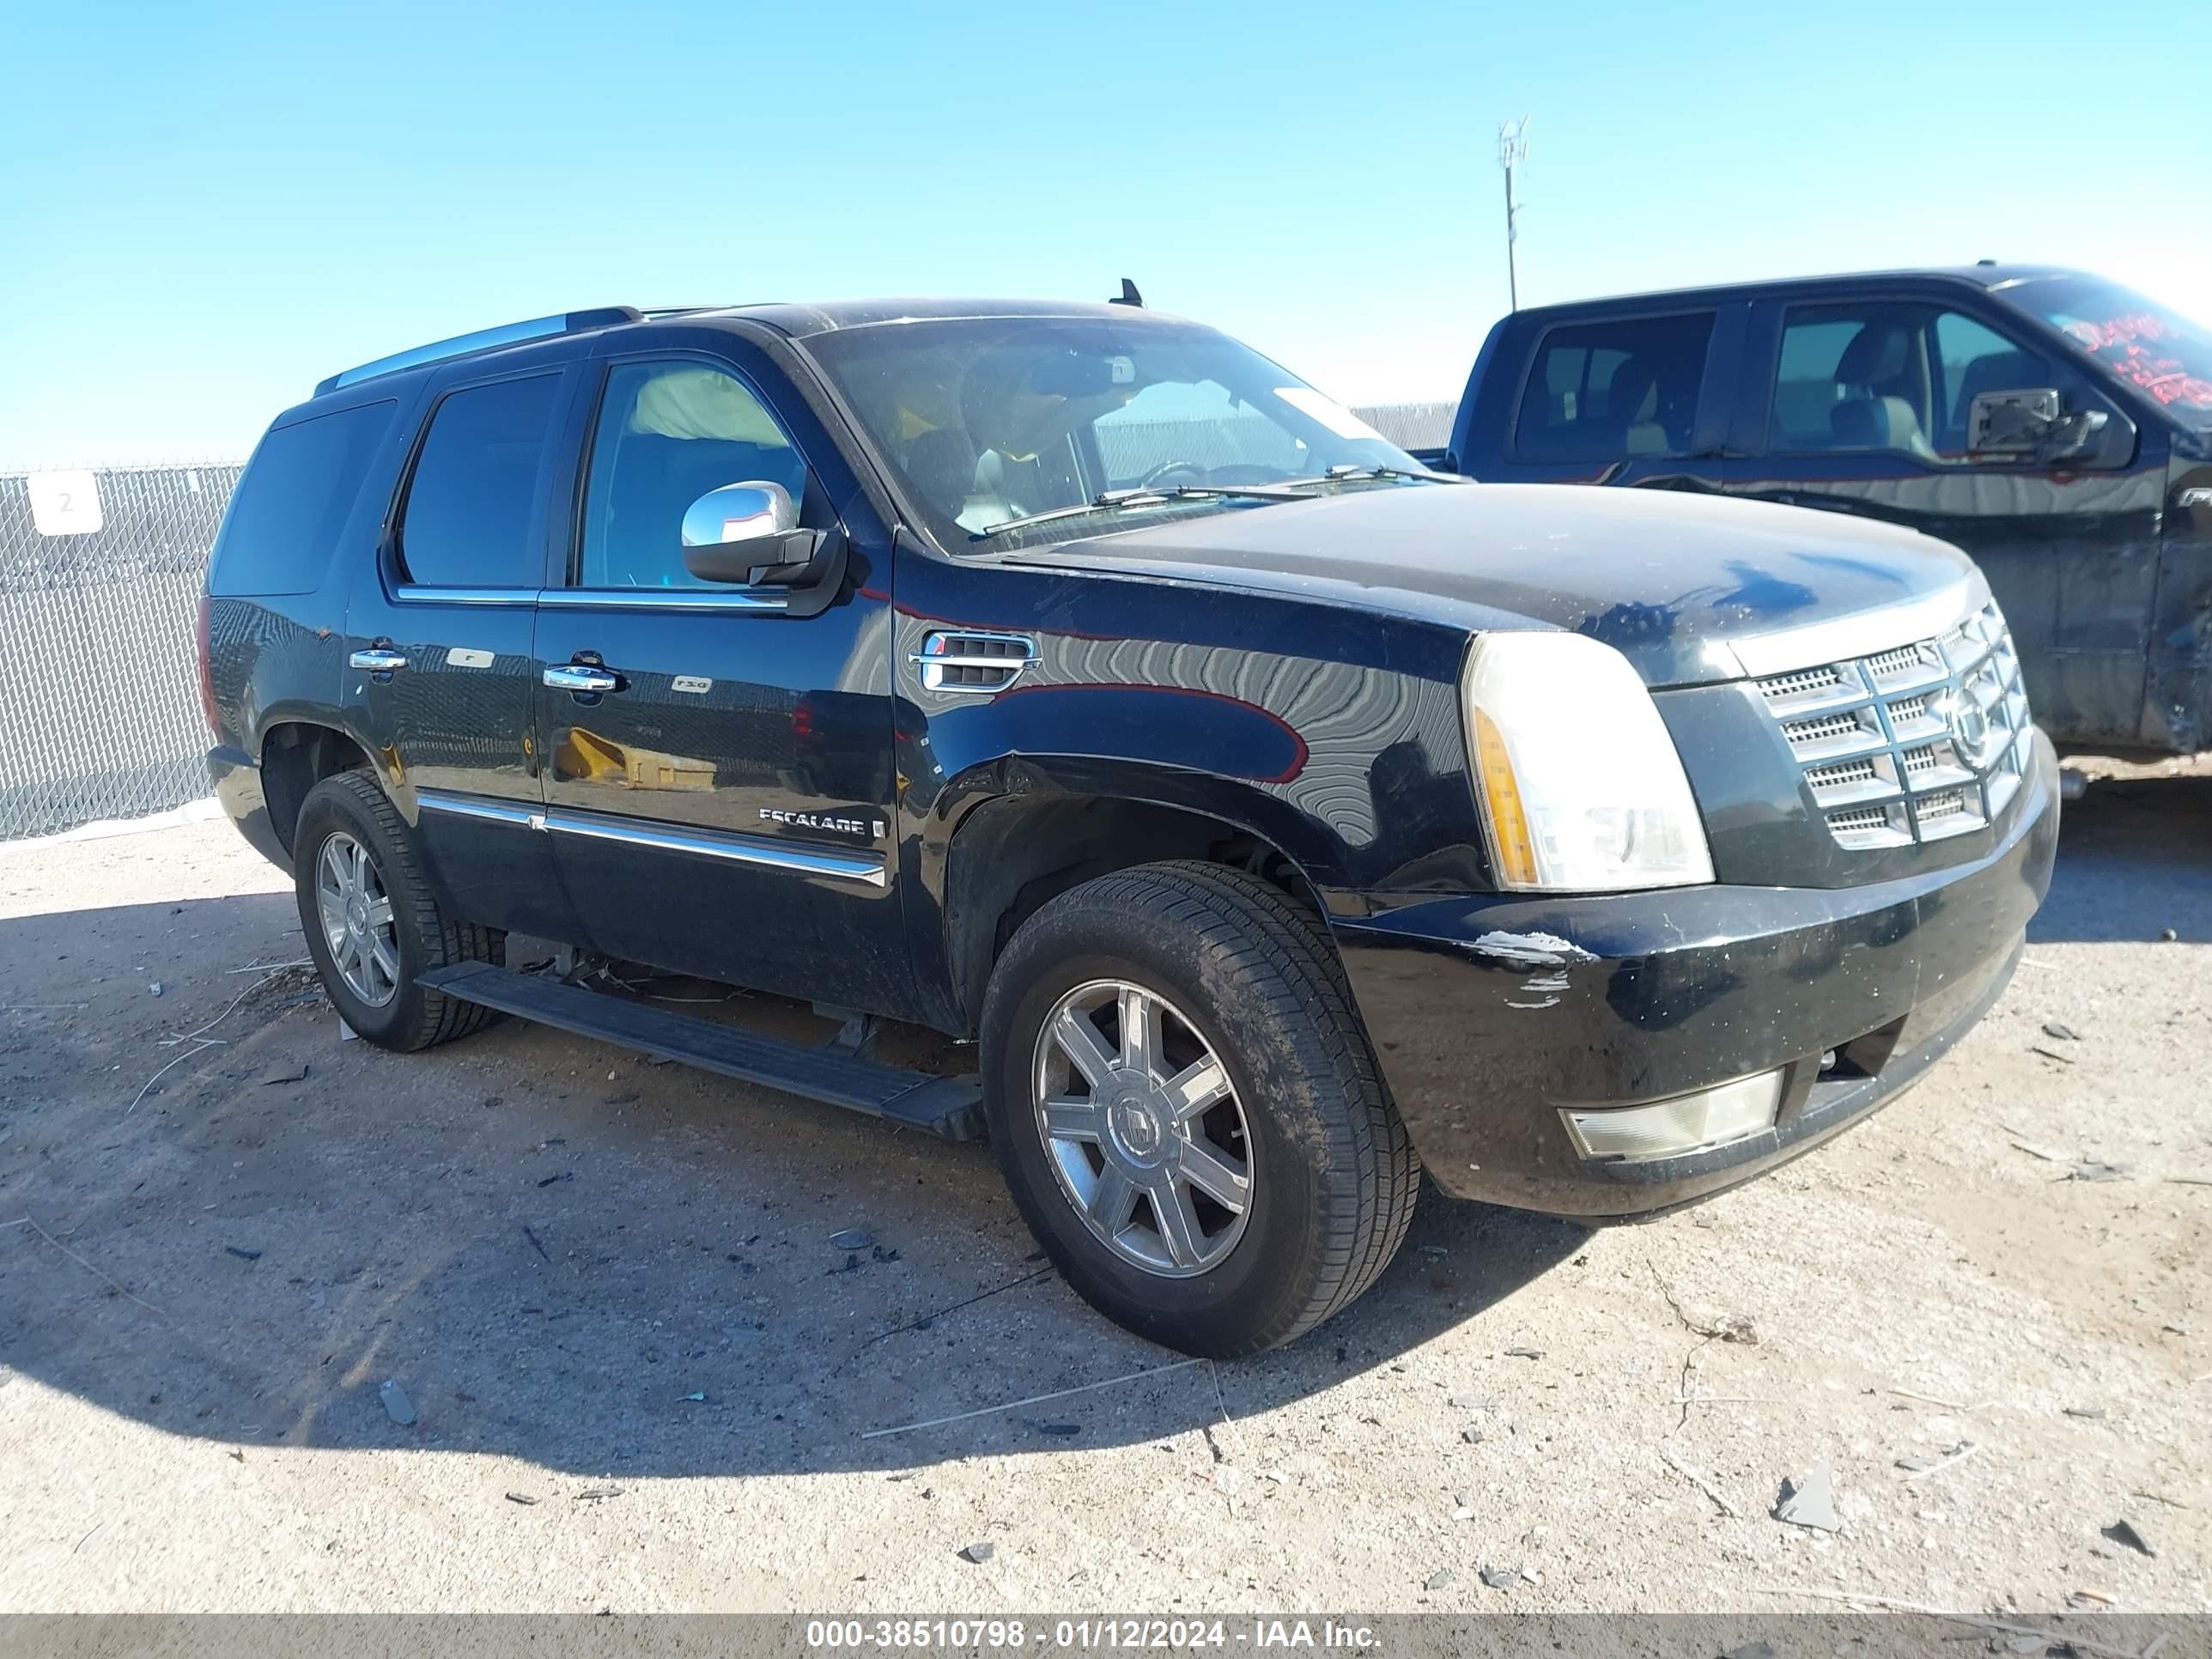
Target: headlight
{"type": "Point", "coordinates": [1580, 786]}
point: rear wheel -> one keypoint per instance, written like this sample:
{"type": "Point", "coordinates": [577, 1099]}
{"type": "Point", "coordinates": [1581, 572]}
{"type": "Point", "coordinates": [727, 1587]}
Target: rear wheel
{"type": "Point", "coordinates": [371, 923]}
{"type": "Point", "coordinates": [1187, 1109]}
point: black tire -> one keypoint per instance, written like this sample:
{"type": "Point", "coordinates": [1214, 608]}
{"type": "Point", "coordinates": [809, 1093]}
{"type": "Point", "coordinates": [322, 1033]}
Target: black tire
{"type": "Point", "coordinates": [352, 804]}
{"type": "Point", "coordinates": [1334, 1174]}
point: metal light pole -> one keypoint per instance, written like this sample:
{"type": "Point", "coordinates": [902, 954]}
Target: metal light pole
{"type": "Point", "coordinates": [1512, 151]}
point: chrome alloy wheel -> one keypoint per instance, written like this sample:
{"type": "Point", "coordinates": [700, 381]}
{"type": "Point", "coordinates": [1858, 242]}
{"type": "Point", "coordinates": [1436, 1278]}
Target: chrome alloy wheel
{"type": "Point", "coordinates": [1143, 1128]}
{"type": "Point", "coordinates": [356, 916]}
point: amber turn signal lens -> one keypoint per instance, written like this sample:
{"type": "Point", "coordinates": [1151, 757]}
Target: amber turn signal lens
{"type": "Point", "coordinates": [1516, 852]}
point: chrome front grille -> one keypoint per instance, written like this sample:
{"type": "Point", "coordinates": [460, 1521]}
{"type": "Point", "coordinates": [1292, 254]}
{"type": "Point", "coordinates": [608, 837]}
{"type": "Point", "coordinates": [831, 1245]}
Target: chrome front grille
{"type": "Point", "coordinates": [1911, 744]}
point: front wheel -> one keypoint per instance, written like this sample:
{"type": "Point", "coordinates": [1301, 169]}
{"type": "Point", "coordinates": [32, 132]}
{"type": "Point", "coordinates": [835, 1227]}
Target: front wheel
{"type": "Point", "coordinates": [1187, 1109]}
{"type": "Point", "coordinates": [371, 923]}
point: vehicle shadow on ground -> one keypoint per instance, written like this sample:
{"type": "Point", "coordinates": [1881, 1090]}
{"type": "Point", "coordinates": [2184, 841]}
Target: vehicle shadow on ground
{"type": "Point", "coordinates": [2134, 857]}
{"type": "Point", "coordinates": [612, 1269]}
{"type": "Point", "coordinates": [559, 1251]}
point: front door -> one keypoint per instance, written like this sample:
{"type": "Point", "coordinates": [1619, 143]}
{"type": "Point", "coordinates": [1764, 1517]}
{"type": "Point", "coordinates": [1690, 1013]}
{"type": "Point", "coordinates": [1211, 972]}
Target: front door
{"type": "Point", "coordinates": [718, 767]}
{"type": "Point", "coordinates": [1864, 405]}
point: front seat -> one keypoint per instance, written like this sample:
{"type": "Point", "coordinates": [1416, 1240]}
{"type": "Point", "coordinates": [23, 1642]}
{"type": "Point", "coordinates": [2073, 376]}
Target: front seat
{"type": "Point", "coordinates": [1631, 409]}
{"type": "Point", "coordinates": [1871, 376]}
{"type": "Point", "coordinates": [940, 465]}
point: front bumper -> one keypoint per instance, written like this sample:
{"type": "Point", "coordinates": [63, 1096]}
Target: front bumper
{"type": "Point", "coordinates": [1490, 1013]}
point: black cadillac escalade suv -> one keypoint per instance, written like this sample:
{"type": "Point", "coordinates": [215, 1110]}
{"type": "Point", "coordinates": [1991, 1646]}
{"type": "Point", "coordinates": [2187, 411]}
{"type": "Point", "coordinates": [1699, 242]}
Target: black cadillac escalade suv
{"type": "Point", "coordinates": [1278, 817]}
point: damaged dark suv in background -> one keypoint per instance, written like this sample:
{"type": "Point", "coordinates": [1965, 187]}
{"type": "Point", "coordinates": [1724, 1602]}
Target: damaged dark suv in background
{"type": "Point", "coordinates": [1277, 818]}
{"type": "Point", "coordinates": [2054, 425]}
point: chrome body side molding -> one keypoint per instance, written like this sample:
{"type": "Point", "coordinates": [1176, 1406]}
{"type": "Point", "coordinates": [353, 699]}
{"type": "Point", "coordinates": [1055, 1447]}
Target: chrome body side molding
{"type": "Point", "coordinates": [763, 852]}
{"type": "Point", "coordinates": [616, 599]}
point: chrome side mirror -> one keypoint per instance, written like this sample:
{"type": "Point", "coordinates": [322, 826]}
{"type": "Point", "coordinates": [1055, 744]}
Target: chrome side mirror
{"type": "Point", "coordinates": [750, 533]}
{"type": "Point", "coordinates": [2032, 423]}
{"type": "Point", "coordinates": [2010, 422]}
{"type": "Point", "coordinates": [731, 532]}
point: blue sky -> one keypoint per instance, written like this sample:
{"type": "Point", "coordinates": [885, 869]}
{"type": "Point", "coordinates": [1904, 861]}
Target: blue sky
{"type": "Point", "coordinates": [204, 209]}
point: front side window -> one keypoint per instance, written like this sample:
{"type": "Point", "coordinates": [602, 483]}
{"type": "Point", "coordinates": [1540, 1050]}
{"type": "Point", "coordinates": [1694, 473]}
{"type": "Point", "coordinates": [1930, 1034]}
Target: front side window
{"type": "Point", "coordinates": [667, 434]}
{"type": "Point", "coordinates": [2136, 341]}
{"type": "Point", "coordinates": [1606, 391]}
{"type": "Point", "coordinates": [474, 499]}
{"type": "Point", "coordinates": [990, 422]}
{"type": "Point", "coordinates": [1899, 376]}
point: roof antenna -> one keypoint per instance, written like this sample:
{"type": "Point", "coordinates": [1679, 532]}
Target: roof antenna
{"type": "Point", "coordinates": [1129, 295]}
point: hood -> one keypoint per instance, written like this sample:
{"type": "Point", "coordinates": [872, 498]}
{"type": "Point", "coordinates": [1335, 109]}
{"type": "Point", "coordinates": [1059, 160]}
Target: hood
{"type": "Point", "coordinates": [1692, 588]}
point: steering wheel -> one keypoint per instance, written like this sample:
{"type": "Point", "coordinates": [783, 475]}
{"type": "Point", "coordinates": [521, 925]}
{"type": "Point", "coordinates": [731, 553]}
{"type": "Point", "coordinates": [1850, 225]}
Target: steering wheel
{"type": "Point", "coordinates": [1197, 473]}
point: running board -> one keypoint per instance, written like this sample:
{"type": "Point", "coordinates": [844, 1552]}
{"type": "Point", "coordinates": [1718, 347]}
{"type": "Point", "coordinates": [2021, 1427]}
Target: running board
{"type": "Point", "coordinates": [950, 1108]}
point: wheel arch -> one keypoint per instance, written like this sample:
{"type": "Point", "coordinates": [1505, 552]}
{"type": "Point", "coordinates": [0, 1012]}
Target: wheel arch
{"type": "Point", "coordinates": [295, 756]}
{"type": "Point", "coordinates": [1010, 852]}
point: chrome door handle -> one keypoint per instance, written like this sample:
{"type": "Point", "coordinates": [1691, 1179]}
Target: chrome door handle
{"type": "Point", "coordinates": [580, 676]}
{"type": "Point", "coordinates": [377, 660]}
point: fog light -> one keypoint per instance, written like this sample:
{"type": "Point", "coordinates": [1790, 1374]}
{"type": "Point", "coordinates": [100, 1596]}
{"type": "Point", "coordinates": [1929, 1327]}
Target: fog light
{"type": "Point", "coordinates": [1687, 1123]}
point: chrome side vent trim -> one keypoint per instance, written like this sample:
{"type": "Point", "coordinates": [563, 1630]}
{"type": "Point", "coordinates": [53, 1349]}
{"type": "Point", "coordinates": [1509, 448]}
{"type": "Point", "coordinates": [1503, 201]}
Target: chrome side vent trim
{"type": "Point", "coordinates": [975, 663]}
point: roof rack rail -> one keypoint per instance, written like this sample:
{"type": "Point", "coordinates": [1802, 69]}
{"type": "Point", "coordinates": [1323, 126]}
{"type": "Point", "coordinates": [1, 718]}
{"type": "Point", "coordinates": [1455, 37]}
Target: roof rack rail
{"type": "Point", "coordinates": [537, 328]}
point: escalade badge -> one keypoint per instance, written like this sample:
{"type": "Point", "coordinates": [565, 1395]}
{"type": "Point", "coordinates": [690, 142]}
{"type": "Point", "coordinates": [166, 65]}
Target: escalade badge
{"type": "Point", "coordinates": [822, 821]}
{"type": "Point", "coordinates": [1968, 723]}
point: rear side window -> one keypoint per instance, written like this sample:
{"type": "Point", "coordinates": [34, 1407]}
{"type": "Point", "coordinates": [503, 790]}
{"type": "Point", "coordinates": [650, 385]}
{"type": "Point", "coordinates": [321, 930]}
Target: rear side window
{"type": "Point", "coordinates": [291, 502]}
{"type": "Point", "coordinates": [472, 506]}
{"type": "Point", "coordinates": [1606, 391]}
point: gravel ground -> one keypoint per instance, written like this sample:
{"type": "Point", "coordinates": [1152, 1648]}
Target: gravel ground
{"type": "Point", "coordinates": [642, 1377]}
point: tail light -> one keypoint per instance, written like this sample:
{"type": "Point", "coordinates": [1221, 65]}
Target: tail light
{"type": "Point", "coordinates": [207, 672]}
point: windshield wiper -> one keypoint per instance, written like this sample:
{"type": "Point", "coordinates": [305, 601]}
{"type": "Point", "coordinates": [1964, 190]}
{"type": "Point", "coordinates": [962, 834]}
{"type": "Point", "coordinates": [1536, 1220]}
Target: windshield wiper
{"type": "Point", "coordinates": [1112, 500]}
{"type": "Point", "coordinates": [1351, 474]}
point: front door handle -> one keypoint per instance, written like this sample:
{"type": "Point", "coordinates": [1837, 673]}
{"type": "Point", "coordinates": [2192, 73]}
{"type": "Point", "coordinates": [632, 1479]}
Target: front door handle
{"type": "Point", "coordinates": [580, 676]}
{"type": "Point", "coordinates": [377, 660]}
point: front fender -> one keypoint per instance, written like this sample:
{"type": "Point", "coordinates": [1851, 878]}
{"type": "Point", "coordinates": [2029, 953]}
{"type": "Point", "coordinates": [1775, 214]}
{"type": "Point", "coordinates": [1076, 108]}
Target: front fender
{"type": "Point", "coordinates": [1331, 734]}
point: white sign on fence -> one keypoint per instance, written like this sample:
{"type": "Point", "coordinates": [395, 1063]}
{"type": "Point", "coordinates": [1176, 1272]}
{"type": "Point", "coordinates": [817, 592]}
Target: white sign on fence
{"type": "Point", "coordinates": [64, 503]}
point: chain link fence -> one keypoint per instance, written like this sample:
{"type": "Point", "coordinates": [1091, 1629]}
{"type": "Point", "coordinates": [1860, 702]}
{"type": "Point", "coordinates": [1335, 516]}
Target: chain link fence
{"type": "Point", "coordinates": [102, 717]}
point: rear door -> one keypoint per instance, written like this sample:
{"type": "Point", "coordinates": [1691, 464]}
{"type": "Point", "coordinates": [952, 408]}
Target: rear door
{"type": "Point", "coordinates": [1861, 403]}
{"type": "Point", "coordinates": [442, 671]}
{"type": "Point", "coordinates": [718, 772]}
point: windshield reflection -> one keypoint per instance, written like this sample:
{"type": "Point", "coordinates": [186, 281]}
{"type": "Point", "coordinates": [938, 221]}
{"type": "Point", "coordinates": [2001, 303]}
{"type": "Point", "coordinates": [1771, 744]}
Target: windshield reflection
{"type": "Point", "coordinates": [2153, 349]}
{"type": "Point", "coordinates": [988, 422]}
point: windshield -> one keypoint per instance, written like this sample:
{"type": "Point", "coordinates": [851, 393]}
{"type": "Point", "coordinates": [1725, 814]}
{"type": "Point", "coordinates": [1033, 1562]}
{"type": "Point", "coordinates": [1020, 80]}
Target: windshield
{"type": "Point", "coordinates": [993, 422]}
{"type": "Point", "coordinates": [2155, 350]}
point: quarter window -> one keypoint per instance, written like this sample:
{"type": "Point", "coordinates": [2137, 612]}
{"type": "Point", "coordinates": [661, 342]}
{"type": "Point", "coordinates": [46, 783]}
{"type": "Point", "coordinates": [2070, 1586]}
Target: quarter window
{"type": "Point", "coordinates": [1606, 391]}
{"type": "Point", "coordinates": [668, 433]}
{"type": "Point", "coordinates": [289, 507]}
{"type": "Point", "coordinates": [474, 499]}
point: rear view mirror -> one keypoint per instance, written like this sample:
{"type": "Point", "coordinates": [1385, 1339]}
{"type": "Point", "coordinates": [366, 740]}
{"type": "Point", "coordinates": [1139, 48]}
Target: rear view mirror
{"type": "Point", "coordinates": [748, 533]}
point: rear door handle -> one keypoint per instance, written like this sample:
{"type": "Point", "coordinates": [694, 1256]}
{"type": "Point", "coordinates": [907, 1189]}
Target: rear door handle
{"type": "Point", "coordinates": [377, 660]}
{"type": "Point", "coordinates": [580, 676]}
